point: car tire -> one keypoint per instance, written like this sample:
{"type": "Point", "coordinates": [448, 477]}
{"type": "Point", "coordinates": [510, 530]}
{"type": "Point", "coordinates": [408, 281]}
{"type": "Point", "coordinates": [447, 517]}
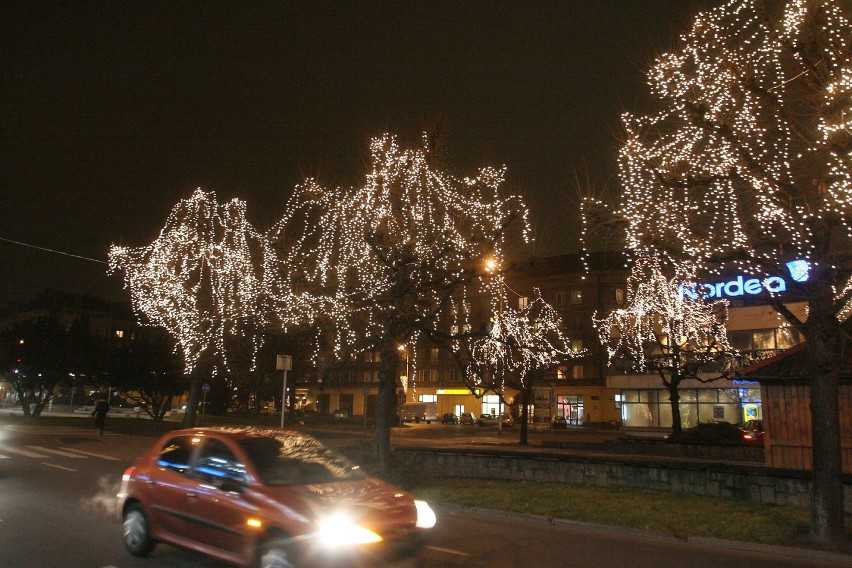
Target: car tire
{"type": "Point", "coordinates": [136, 537]}
{"type": "Point", "coordinates": [276, 553]}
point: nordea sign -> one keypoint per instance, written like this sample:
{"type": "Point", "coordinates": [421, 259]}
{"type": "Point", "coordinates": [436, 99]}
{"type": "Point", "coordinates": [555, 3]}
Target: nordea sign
{"type": "Point", "coordinates": [742, 285]}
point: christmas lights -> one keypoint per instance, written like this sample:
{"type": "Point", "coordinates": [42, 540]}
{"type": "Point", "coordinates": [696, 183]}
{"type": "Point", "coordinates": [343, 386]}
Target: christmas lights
{"type": "Point", "coordinates": [389, 258]}
{"type": "Point", "coordinates": [198, 280]}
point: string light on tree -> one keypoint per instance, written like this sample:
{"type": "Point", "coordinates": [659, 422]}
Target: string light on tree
{"type": "Point", "coordinates": [199, 279]}
{"type": "Point", "coordinates": [747, 165]}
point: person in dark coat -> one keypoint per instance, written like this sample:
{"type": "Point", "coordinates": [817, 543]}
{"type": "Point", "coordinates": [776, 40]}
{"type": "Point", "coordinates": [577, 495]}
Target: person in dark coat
{"type": "Point", "coordinates": [100, 412]}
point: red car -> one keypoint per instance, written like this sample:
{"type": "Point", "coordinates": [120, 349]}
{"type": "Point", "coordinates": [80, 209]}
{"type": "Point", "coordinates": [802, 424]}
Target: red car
{"type": "Point", "coordinates": [267, 498]}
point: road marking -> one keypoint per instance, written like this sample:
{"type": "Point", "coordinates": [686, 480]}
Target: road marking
{"type": "Point", "coordinates": [19, 451]}
{"type": "Point", "coordinates": [58, 452]}
{"type": "Point", "coordinates": [93, 454]}
{"type": "Point", "coordinates": [447, 550]}
{"type": "Point", "coordinates": [2, 457]}
{"type": "Point", "coordinates": [57, 466]}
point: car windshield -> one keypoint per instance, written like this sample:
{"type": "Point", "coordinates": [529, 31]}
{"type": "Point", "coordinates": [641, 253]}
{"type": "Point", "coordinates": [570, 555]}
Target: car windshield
{"type": "Point", "coordinates": [297, 460]}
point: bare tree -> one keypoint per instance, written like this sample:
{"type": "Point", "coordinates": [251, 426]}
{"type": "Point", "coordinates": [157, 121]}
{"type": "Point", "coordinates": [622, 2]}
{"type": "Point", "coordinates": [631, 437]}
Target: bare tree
{"type": "Point", "coordinates": [748, 164]}
{"type": "Point", "coordinates": [668, 333]}
{"type": "Point", "coordinates": [377, 264]}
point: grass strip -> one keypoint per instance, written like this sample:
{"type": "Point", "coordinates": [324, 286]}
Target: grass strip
{"type": "Point", "coordinates": [681, 515]}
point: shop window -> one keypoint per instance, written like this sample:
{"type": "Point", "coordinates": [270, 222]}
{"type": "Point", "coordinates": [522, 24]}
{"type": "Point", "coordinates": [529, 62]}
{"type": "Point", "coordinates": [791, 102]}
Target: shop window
{"type": "Point", "coordinates": [786, 337]}
{"type": "Point", "coordinates": [764, 339]}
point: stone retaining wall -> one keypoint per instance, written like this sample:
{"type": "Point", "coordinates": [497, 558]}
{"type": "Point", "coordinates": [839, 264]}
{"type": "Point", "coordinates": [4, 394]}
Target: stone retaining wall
{"type": "Point", "coordinates": [744, 482]}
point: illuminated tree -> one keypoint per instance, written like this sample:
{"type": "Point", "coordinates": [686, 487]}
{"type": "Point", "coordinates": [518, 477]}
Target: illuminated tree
{"type": "Point", "coordinates": [199, 281]}
{"type": "Point", "coordinates": [666, 332]}
{"type": "Point", "coordinates": [747, 165]}
{"type": "Point", "coordinates": [521, 344]}
{"type": "Point", "coordinates": [376, 265]}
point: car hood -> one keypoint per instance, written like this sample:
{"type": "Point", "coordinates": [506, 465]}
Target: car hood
{"type": "Point", "coordinates": [371, 502]}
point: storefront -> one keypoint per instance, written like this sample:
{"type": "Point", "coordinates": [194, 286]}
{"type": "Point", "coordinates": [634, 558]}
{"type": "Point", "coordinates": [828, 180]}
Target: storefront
{"type": "Point", "coordinates": [735, 402]}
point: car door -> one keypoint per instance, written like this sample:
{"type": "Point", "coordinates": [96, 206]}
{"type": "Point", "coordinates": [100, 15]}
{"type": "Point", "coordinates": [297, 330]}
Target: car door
{"type": "Point", "coordinates": [166, 485]}
{"type": "Point", "coordinates": [218, 511]}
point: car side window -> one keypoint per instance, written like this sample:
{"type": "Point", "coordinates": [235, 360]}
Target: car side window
{"type": "Point", "coordinates": [216, 462]}
{"type": "Point", "coordinates": [175, 454]}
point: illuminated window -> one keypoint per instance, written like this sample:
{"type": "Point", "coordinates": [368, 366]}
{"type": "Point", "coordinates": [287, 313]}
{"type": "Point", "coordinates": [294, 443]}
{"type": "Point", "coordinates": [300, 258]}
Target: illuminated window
{"type": "Point", "coordinates": [562, 372]}
{"type": "Point", "coordinates": [427, 398]}
{"type": "Point", "coordinates": [576, 297]}
{"type": "Point", "coordinates": [576, 345]}
{"type": "Point", "coordinates": [523, 302]}
{"type": "Point", "coordinates": [433, 355]}
{"type": "Point", "coordinates": [119, 333]}
{"type": "Point", "coordinates": [577, 371]}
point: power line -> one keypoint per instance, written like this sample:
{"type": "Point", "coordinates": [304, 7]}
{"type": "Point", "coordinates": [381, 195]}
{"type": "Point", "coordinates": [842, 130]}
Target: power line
{"type": "Point", "coordinates": [53, 250]}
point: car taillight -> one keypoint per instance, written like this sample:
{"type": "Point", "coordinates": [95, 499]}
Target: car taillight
{"type": "Point", "coordinates": [128, 473]}
{"type": "Point", "coordinates": [748, 436]}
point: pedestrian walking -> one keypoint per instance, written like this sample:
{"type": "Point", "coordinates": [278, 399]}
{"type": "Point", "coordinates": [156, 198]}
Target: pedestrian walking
{"type": "Point", "coordinates": [100, 412]}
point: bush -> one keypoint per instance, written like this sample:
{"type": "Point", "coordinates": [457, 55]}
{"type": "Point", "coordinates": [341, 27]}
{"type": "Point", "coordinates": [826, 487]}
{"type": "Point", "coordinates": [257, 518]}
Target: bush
{"type": "Point", "coordinates": [710, 433]}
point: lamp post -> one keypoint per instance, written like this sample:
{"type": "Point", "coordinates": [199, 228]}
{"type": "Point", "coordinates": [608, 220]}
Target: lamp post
{"type": "Point", "coordinates": [284, 363]}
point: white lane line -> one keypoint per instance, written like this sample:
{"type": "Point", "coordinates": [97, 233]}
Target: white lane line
{"type": "Point", "coordinates": [93, 454]}
{"type": "Point", "coordinates": [447, 550]}
{"type": "Point", "coordinates": [57, 452]}
{"type": "Point", "coordinates": [57, 466]}
{"type": "Point", "coordinates": [25, 453]}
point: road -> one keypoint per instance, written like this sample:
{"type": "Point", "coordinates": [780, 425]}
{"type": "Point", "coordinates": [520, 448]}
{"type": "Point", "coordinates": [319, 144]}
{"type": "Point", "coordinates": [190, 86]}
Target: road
{"type": "Point", "coordinates": [57, 487]}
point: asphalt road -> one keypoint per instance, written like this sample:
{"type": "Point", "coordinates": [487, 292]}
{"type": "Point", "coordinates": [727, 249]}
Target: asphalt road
{"type": "Point", "coordinates": [57, 488]}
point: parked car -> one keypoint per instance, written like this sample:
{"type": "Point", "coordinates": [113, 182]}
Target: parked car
{"type": "Point", "coordinates": [266, 498]}
{"type": "Point", "coordinates": [491, 420]}
{"type": "Point", "coordinates": [418, 412]}
{"type": "Point", "coordinates": [342, 414]}
{"type": "Point", "coordinates": [467, 418]}
{"type": "Point", "coordinates": [560, 422]}
{"type": "Point", "coordinates": [752, 430]}
{"type": "Point", "coordinates": [449, 418]}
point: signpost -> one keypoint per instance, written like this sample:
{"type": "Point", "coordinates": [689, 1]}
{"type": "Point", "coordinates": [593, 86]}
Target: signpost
{"type": "Point", "coordinates": [205, 388]}
{"type": "Point", "coordinates": [284, 363]}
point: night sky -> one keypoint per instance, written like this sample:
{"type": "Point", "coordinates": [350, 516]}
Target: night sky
{"type": "Point", "coordinates": [114, 111]}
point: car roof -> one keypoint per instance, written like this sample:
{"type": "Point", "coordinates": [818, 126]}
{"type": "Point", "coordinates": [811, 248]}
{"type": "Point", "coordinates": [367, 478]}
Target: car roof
{"type": "Point", "coordinates": [238, 433]}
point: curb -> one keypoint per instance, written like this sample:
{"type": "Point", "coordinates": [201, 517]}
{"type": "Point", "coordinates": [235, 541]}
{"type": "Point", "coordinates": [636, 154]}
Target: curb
{"type": "Point", "coordinates": [833, 558]}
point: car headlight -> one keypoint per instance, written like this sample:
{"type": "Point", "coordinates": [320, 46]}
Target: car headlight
{"type": "Point", "coordinates": [426, 518]}
{"type": "Point", "coordinates": [340, 530]}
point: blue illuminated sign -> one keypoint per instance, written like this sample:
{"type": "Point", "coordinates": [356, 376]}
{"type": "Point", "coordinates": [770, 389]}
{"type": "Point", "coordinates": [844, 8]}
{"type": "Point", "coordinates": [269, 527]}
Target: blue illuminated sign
{"type": "Point", "coordinates": [742, 285]}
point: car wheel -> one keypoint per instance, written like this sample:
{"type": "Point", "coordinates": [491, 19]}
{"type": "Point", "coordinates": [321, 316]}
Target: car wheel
{"type": "Point", "coordinates": [137, 539]}
{"type": "Point", "coordinates": [275, 554]}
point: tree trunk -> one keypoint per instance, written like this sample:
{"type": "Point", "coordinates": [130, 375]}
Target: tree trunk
{"type": "Point", "coordinates": [192, 403]}
{"type": "Point", "coordinates": [824, 349]}
{"type": "Point", "coordinates": [674, 400]}
{"type": "Point", "coordinates": [525, 412]}
{"type": "Point", "coordinates": [386, 403]}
